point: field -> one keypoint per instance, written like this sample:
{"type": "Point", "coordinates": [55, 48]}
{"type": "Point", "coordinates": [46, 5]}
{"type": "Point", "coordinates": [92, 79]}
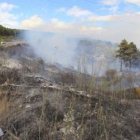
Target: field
{"type": "Point", "coordinates": [39, 101]}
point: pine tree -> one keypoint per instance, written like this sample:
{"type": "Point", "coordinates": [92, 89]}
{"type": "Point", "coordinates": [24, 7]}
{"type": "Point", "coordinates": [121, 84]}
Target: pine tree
{"type": "Point", "coordinates": [128, 54]}
{"type": "Point", "coordinates": [121, 52]}
{"type": "Point", "coordinates": [131, 55]}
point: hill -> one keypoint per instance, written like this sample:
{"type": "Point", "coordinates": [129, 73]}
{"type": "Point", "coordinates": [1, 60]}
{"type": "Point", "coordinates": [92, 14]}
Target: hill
{"type": "Point", "coordinates": [7, 34]}
{"type": "Point", "coordinates": [42, 101]}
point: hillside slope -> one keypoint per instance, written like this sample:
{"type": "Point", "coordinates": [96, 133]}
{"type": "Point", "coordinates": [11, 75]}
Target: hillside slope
{"type": "Point", "coordinates": [37, 104]}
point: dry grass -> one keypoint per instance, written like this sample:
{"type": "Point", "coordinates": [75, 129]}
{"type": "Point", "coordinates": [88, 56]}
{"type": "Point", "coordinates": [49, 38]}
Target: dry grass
{"type": "Point", "coordinates": [130, 78]}
{"type": "Point", "coordinates": [110, 74]}
{"type": "Point", "coordinates": [81, 119]}
{"type": "Point", "coordinates": [63, 115]}
{"type": "Point", "coordinates": [10, 75]}
{"type": "Point", "coordinates": [4, 106]}
{"type": "Point", "coordinates": [66, 78]}
{"type": "Point", "coordinates": [137, 89]}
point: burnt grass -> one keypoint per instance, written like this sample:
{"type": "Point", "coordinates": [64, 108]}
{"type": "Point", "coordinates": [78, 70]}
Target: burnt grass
{"type": "Point", "coordinates": [42, 109]}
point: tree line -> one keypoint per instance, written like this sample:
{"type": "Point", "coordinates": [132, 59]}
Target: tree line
{"type": "Point", "coordinates": [9, 32]}
{"type": "Point", "coordinates": [128, 54]}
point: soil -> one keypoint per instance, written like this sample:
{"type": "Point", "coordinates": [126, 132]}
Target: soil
{"type": "Point", "coordinates": [42, 109]}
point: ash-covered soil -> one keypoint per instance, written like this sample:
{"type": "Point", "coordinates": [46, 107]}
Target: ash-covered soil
{"type": "Point", "coordinates": [41, 105]}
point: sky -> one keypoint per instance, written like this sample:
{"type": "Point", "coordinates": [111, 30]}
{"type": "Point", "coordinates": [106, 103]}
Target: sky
{"type": "Point", "coordinates": [110, 20]}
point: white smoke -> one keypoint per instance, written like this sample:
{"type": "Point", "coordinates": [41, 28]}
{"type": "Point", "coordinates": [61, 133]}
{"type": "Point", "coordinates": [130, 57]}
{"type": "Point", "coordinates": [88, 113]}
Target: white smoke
{"type": "Point", "coordinates": [62, 49]}
{"type": "Point", "coordinates": [53, 48]}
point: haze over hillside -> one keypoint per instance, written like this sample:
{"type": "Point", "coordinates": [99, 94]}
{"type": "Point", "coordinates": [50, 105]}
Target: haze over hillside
{"type": "Point", "coordinates": [66, 50]}
{"type": "Point", "coordinates": [72, 104]}
{"type": "Point", "coordinates": [70, 70]}
{"type": "Point", "coordinates": [87, 53]}
{"type": "Point", "coordinates": [64, 22]}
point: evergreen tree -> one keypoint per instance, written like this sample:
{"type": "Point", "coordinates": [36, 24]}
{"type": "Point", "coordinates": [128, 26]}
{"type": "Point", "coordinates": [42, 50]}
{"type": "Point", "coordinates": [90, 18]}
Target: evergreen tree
{"type": "Point", "coordinates": [128, 54]}
{"type": "Point", "coordinates": [9, 32]}
{"type": "Point", "coordinates": [121, 52]}
{"type": "Point", "coordinates": [131, 55]}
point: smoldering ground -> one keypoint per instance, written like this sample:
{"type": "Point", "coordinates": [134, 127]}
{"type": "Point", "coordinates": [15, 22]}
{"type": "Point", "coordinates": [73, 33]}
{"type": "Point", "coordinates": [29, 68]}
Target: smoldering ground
{"type": "Point", "coordinates": [63, 49]}
{"type": "Point", "coordinates": [81, 53]}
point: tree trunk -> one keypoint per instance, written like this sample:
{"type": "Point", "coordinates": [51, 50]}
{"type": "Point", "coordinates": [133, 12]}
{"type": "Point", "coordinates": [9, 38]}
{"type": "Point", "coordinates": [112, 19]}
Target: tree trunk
{"type": "Point", "coordinates": [121, 65]}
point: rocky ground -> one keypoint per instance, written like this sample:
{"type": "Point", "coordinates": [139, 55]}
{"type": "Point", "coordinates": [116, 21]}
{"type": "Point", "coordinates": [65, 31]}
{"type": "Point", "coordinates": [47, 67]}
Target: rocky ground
{"type": "Point", "coordinates": [37, 104]}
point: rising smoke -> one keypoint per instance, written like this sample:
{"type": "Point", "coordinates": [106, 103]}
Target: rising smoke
{"type": "Point", "coordinates": [53, 48]}
{"type": "Point", "coordinates": [62, 49]}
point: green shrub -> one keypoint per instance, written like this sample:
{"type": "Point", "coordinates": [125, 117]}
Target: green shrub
{"type": "Point", "coordinates": [110, 74]}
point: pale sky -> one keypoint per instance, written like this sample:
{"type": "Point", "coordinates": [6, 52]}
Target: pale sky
{"type": "Point", "coordinates": [111, 20]}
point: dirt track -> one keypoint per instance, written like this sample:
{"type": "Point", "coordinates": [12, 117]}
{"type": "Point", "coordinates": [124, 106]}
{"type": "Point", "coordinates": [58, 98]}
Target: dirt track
{"type": "Point", "coordinates": [14, 43]}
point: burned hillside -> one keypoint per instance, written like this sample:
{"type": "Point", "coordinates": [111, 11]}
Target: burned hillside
{"type": "Point", "coordinates": [40, 101]}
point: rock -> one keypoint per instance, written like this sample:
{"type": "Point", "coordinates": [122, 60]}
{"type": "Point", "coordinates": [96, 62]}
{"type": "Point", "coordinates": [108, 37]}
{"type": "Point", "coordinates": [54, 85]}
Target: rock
{"type": "Point", "coordinates": [28, 106]}
{"type": "Point", "coordinates": [1, 132]}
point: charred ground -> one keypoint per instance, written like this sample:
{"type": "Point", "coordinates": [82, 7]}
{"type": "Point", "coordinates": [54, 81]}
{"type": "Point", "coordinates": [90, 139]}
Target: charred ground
{"type": "Point", "coordinates": [40, 101]}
